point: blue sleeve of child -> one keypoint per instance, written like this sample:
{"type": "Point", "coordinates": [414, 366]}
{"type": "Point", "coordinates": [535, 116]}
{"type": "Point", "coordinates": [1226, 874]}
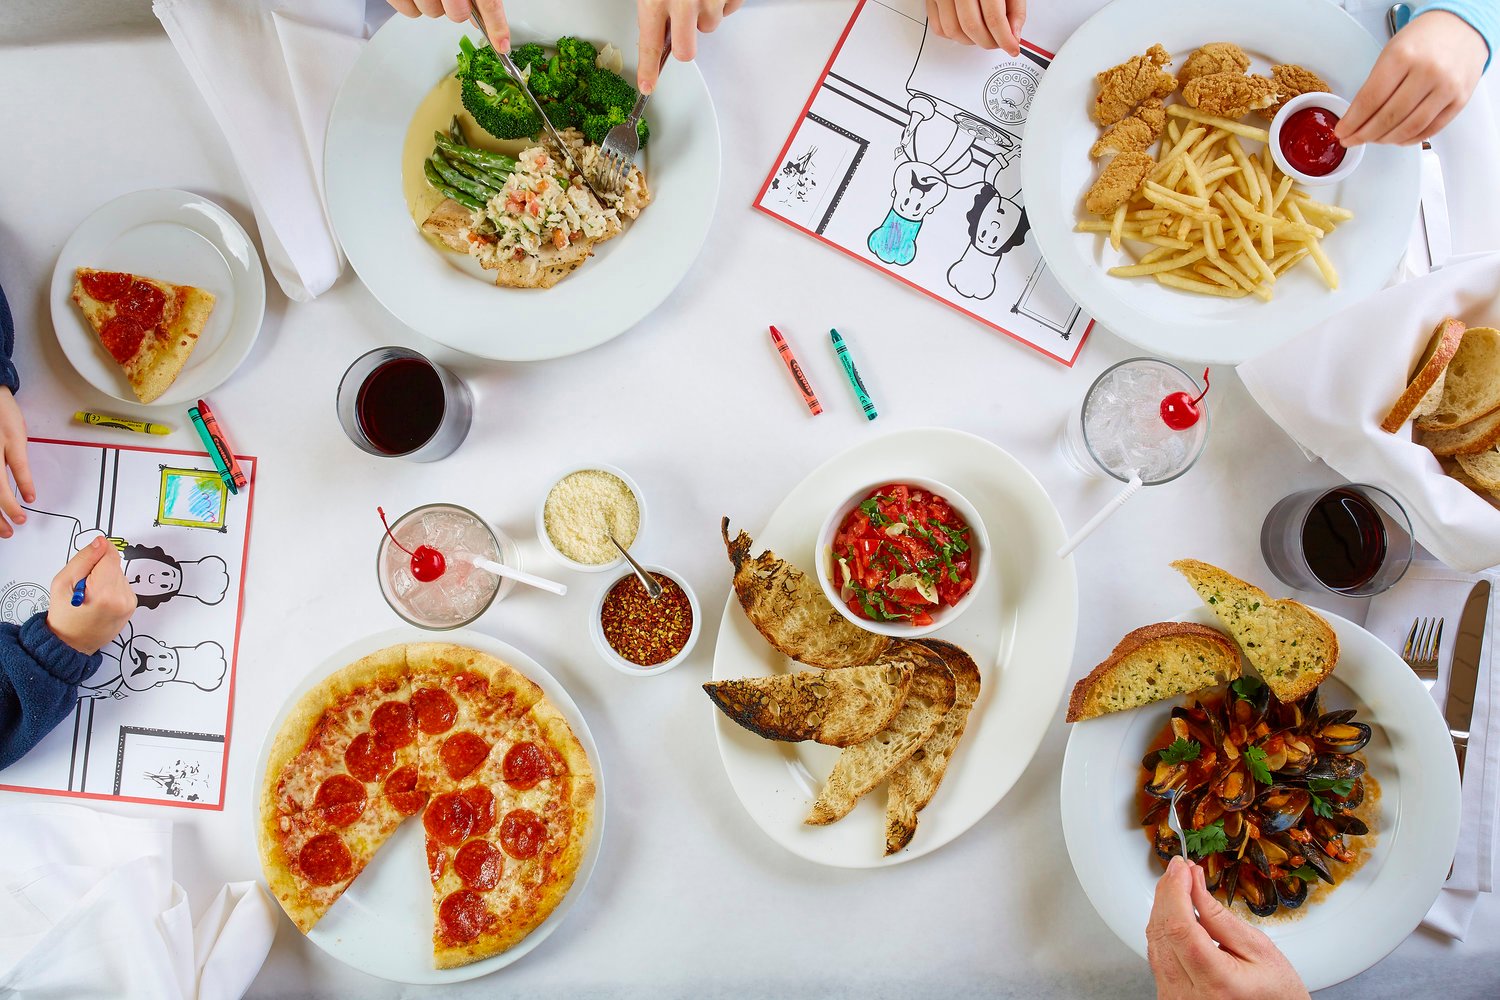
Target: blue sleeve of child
{"type": "Point", "coordinates": [39, 676]}
{"type": "Point", "coordinates": [9, 377]}
{"type": "Point", "coordinates": [1482, 15]}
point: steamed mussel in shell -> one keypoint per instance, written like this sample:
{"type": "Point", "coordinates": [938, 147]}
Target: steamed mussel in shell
{"type": "Point", "coordinates": [1267, 793]}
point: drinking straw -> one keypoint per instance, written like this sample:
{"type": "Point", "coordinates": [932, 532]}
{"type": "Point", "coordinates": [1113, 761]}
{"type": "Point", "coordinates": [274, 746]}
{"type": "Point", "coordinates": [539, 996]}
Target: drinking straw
{"type": "Point", "coordinates": [1131, 489]}
{"type": "Point", "coordinates": [506, 572]}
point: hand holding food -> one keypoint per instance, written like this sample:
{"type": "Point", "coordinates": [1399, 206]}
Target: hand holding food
{"type": "Point", "coordinates": [1422, 80]}
{"type": "Point", "coordinates": [989, 24]}
{"type": "Point", "coordinates": [13, 457]}
{"type": "Point", "coordinates": [685, 18]}
{"type": "Point", "coordinates": [1211, 954]}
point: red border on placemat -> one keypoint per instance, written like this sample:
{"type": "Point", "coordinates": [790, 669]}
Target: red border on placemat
{"type": "Point", "coordinates": [1069, 362]}
{"type": "Point", "coordinates": [234, 666]}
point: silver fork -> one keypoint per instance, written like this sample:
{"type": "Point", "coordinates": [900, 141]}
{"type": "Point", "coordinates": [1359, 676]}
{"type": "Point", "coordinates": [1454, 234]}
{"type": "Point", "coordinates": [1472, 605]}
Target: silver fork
{"type": "Point", "coordinates": [1421, 649]}
{"type": "Point", "coordinates": [1175, 822]}
{"type": "Point", "coordinates": [618, 152]}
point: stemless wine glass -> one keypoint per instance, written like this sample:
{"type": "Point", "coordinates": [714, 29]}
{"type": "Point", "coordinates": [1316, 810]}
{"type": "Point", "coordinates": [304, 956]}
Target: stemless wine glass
{"type": "Point", "coordinates": [1352, 540]}
{"type": "Point", "coordinates": [395, 403]}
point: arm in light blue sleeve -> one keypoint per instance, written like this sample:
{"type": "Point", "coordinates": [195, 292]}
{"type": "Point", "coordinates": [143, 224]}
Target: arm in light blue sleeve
{"type": "Point", "coordinates": [1481, 15]}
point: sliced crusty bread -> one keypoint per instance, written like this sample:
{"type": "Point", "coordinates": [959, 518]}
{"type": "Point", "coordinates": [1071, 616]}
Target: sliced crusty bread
{"type": "Point", "coordinates": [1471, 388]}
{"type": "Point", "coordinates": [914, 782]}
{"type": "Point", "coordinates": [863, 766]}
{"type": "Point", "coordinates": [1472, 438]}
{"type": "Point", "coordinates": [1483, 469]}
{"type": "Point", "coordinates": [1425, 390]}
{"type": "Point", "coordinates": [1290, 645]}
{"type": "Point", "coordinates": [839, 708]}
{"type": "Point", "coordinates": [1460, 475]}
{"type": "Point", "coordinates": [1155, 662]}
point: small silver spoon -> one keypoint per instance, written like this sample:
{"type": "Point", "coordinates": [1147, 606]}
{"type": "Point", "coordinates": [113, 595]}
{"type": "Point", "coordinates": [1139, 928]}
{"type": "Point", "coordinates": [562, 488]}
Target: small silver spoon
{"type": "Point", "coordinates": [653, 588]}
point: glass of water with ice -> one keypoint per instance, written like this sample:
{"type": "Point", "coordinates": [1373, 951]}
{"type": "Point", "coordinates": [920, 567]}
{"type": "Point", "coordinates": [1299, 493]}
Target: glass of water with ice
{"type": "Point", "coordinates": [1120, 430]}
{"type": "Point", "coordinates": [463, 592]}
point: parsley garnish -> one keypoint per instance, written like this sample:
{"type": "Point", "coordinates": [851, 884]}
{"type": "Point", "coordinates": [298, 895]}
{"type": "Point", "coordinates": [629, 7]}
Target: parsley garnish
{"type": "Point", "coordinates": [1255, 759]}
{"type": "Point", "coordinates": [1209, 840]}
{"type": "Point", "coordinates": [1338, 786]}
{"type": "Point", "coordinates": [1320, 806]}
{"type": "Point", "coordinates": [1180, 752]}
{"type": "Point", "coordinates": [871, 509]}
{"type": "Point", "coordinates": [1246, 687]}
{"type": "Point", "coordinates": [1306, 873]}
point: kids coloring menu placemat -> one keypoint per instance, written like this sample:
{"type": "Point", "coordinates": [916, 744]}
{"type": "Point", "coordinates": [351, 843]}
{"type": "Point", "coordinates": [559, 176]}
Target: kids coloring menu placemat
{"type": "Point", "coordinates": [152, 723]}
{"type": "Point", "coordinates": [907, 157]}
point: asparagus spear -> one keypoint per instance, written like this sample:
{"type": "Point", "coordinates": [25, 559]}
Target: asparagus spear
{"type": "Point", "coordinates": [454, 179]}
{"type": "Point", "coordinates": [446, 190]}
{"type": "Point", "coordinates": [492, 162]}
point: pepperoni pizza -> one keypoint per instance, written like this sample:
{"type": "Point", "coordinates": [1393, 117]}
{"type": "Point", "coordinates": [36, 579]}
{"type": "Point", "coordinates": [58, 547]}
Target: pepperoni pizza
{"type": "Point", "coordinates": [504, 788]}
{"type": "Point", "coordinates": [149, 327]}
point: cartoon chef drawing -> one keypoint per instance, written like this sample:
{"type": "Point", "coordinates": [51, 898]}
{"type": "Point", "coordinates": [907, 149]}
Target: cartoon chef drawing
{"type": "Point", "coordinates": [997, 225]}
{"type": "Point", "coordinates": [135, 663]}
{"type": "Point", "coordinates": [933, 157]}
{"type": "Point", "coordinates": [157, 577]}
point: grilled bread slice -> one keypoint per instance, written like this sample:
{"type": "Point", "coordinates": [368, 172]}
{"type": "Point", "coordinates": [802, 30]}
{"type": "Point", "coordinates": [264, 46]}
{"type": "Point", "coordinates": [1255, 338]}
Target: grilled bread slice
{"type": "Point", "coordinates": [1471, 386]}
{"type": "Point", "coordinates": [1290, 645]}
{"type": "Point", "coordinates": [913, 783]}
{"type": "Point", "coordinates": [1155, 662]}
{"type": "Point", "coordinates": [1425, 390]}
{"type": "Point", "coordinates": [838, 708]}
{"type": "Point", "coordinates": [863, 766]}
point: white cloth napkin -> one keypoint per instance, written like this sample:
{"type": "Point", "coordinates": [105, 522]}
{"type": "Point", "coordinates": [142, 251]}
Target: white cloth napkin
{"type": "Point", "coordinates": [1330, 386]}
{"type": "Point", "coordinates": [1431, 590]}
{"type": "Point", "coordinates": [270, 77]}
{"type": "Point", "coordinates": [88, 909]}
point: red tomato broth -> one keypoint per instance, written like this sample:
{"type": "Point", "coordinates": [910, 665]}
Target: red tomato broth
{"type": "Point", "coordinates": [933, 552]}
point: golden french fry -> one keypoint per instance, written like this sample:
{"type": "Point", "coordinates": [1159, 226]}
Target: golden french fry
{"type": "Point", "coordinates": [1156, 255]}
{"type": "Point", "coordinates": [1195, 179]}
{"type": "Point", "coordinates": [1233, 127]}
{"type": "Point", "coordinates": [1167, 241]}
{"type": "Point", "coordinates": [1325, 266]}
{"type": "Point", "coordinates": [1215, 275]}
{"type": "Point", "coordinates": [1141, 215]}
{"type": "Point", "coordinates": [1209, 246]}
{"type": "Point", "coordinates": [1158, 266]}
{"type": "Point", "coordinates": [1117, 227]}
{"type": "Point", "coordinates": [1181, 208]}
{"type": "Point", "coordinates": [1201, 287]}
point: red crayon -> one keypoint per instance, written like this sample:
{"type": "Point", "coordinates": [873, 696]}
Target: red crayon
{"type": "Point", "coordinates": [211, 424]}
{"type": "Point", "coordinates": [795, 369]}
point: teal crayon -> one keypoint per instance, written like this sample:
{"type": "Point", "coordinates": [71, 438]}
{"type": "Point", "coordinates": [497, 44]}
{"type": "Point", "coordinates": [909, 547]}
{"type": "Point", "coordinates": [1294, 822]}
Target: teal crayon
{"type": "Point", "coordinates": [855, 382]}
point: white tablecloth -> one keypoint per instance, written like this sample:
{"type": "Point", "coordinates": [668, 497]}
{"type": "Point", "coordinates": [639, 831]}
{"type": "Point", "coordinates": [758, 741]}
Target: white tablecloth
{"type": "Point", "coordinates": [689, 898]}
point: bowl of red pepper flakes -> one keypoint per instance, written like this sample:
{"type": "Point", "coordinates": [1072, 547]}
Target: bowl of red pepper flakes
{"type": "Point", "coordinates": [903, 557]}
{"type": "Point", "coordinates": [638, 635]}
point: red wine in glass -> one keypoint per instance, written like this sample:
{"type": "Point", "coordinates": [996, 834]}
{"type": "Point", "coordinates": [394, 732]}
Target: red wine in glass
{"type": "Point", "coordinates": [1344, 540]}
{"type": "Point", "coordinates": [401, 405]}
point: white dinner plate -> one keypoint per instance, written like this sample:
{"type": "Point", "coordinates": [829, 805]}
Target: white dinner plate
{"type": "Point", "coordinates": [1057, 172]}
{"type": "Point", "coordinates": [1019, 632]}
{"type": "Point", "coordinates": [445, 296]}
{"type": "Point", "coordinates": [1358, 921]}
{"type": "Point", "coordinates": [382, 924]}
{"type": "Point", "coordinates": [173, 236]}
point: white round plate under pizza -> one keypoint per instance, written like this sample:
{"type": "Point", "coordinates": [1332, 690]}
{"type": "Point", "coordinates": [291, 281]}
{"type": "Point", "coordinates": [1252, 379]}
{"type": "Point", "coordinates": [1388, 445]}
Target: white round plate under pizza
{"type": "Point", "coordinates": [429, 811]}
{"type": "Point", "coordinates": [175, 240]}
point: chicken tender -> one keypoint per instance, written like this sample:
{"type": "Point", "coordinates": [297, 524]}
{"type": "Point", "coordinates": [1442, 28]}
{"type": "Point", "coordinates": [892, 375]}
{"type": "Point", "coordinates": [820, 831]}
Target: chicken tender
{"type": "Point", "coordinates": [1134, 134]}
{"type": "Point", "coordinates": [1230, 95]}
{"type": "Point", "coordinates": [1118, 182]}
{"type": "Point", "coordinates": [1293, 81]}
{"type": "Point", "coordinates": [1215, 57]}
{"type": "Point", "coordinates": [1136, 79]}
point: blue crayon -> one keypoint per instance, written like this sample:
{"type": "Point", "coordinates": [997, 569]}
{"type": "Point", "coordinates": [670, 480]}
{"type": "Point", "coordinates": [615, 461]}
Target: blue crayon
{"type": "Point", "coordinates": [78, 591]}
{"type": "Point", "coordinates": [852, 372]}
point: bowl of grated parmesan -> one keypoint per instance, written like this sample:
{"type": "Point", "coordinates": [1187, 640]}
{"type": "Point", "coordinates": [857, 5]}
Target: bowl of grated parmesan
{"type": "Point", "coordinates": [584, 507]}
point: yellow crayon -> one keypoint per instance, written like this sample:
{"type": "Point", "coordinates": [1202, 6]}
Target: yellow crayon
{"type": "Point", "coordinates": [104, 420]}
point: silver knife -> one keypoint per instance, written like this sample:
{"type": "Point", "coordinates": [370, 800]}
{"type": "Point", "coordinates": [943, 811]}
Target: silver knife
{"type": "Point", "coordinates": [1463, 670]}
{"type": "Point", "coordinates": [515, 72]}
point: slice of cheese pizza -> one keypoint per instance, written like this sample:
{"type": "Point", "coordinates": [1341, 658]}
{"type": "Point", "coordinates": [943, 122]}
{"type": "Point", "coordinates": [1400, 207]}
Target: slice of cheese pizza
{"type": "Point", "coordinates": [148, 326]}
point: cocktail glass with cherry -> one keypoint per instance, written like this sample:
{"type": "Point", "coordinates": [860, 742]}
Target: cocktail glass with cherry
{"type": "Point", "coordinates": [426, 571]}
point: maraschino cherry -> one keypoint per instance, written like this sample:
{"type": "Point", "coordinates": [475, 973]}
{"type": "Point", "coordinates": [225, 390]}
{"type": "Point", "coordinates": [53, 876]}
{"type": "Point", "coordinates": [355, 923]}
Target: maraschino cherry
{"type": "Point", "coordinates": [1179, 410]}
{"type": "Point", "coordinates": [427, 563]}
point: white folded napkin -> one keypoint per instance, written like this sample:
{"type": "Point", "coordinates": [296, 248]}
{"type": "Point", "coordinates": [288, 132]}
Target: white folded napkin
{"type": "Point", "coordinates": [88, 908]}
{"type": "Point", "coordinates": [1431, 590]}
{"type": "Point", "coordinates": [1330, 387]}
{"type": "Point", "coordinates": [270, 78]}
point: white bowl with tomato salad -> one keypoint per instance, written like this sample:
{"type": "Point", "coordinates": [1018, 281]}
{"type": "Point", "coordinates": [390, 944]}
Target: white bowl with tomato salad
{"type": "Point", "coordinates": [1302, 140]}
{"type": "Point", "coordinates": [903, 557]}
{"type": "Point", "coordinates": [640, 626]}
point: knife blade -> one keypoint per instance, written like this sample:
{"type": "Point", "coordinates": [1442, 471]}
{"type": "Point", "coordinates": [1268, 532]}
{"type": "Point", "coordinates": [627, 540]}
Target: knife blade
{"type": "Point", "coordinates": [1435, 210]}
{"type": "Point", "coordinates": [1463, 669]}
{"type": "Point", "coordinates": [515, 73]}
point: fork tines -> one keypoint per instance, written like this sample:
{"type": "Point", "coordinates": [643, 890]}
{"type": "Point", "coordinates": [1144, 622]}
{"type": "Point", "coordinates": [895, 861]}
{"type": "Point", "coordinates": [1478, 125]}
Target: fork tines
{"type": "Point", "coordinates": [1423, 642]}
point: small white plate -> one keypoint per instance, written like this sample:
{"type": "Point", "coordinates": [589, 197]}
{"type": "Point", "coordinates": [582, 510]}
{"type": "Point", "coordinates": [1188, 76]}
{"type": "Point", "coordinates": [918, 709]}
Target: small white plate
{"type": "Point", "coordinates": [1056, 173]}
{"type": "Point", "coordinates": [173, 236]}
{"type": "Point", "coordinates": [382, 924]}
{"type": "Point", "coordinates": [1357, 922]}
{"type": "Point", "coordinates": [1019, 632]}
{"type": "Point", "coordinates": [433, 291]}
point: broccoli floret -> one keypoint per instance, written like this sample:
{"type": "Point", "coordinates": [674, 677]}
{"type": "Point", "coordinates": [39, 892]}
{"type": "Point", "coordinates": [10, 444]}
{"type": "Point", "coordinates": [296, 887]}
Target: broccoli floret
{"type": "Point", "coordinates": [480, 64]}
{"type": "Point", "coordinates": [577, 55]}
{"type": "Point", "coordinates": [530, 54]}
{"type": "Point", "coordinates": [596, 126]}
{"type": "Point", "coordinates": [552, 82]}
{"type": "Point", "coordinates": [567, 113]}
{"type": "Point", "coordinates": [503, 112]}
{"type": "Point", "coordinates": [608, 91]}
{"type": "Point", "coordinates": [643, 132]}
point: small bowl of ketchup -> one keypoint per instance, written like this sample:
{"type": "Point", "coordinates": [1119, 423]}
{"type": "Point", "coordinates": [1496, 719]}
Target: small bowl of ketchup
{"type": "Point", "coordinates": [1303, 143]}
